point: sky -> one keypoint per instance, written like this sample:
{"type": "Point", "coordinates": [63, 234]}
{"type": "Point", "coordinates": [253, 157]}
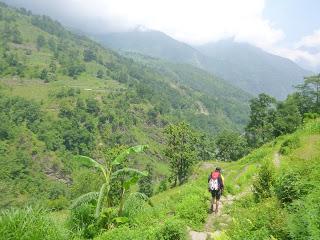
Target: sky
{"type": "Point", "coordinates": [289, 28]}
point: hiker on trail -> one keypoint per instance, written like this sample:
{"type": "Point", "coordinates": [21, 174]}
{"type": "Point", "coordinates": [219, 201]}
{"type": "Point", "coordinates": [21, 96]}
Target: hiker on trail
{"type": "Point", "coordinates": [216, 185]}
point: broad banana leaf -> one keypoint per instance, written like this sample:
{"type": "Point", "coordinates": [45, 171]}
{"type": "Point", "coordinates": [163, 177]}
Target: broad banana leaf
{"type": "Point", "coordinates": [85, 198]}
{"type": "Point", "coordinates": [130, 171]}
{"type": "Point", "coordinates": [122, 156]}
{"type": "Point", "coordinates": [95, 164]}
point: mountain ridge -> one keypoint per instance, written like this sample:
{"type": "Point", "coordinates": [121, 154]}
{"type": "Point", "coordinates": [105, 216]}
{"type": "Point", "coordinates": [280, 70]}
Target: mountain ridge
{"type": "Point", "coordinates": [276, 81]}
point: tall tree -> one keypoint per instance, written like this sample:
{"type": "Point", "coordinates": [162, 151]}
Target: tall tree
{"type": "Point", "coordinates": [309, 93]}
{"type": "Point", "coordinates": [230, 146]}
{"type": "Point", "coordinates": [260, 127]}
{"type": "Point", "coordinates": [287, 118]}
{"type": "Point", "coordinates": [181, 151]}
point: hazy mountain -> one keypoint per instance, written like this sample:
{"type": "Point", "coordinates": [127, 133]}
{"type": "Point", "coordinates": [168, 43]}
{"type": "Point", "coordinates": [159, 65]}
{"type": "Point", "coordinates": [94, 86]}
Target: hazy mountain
{"type": "Point", "coordinates": [251, 68]}
{"type": "Point", "coordinates": [151, 43]}
{"type": "Point", "coordinates": [242, 65]}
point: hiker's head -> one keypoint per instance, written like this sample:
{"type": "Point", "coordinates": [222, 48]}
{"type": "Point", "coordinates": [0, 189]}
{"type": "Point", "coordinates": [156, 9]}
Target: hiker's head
{"type": "Point", "coordinates": [218, 169]}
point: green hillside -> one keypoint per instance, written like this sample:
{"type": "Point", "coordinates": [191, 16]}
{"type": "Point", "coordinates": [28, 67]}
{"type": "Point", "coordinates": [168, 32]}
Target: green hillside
{"type": "Point", "coordinates": [293, 161]}
{"type": "Point", "coordinates": [98, 145]}
{"type": "Point", "coordinates": [63, 94]}
{"type": "Point", "coordinates": [201, 81]}
{"type": "Point", "coordinates": [286, 172]}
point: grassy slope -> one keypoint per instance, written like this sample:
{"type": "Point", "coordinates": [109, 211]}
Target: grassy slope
{"type": "Point", "coordinates": [189, 202]}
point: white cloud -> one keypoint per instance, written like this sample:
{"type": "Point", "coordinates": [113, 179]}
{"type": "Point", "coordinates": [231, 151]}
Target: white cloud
{"type": "Point", "coordinates": [303, 57]}
{"type": "Point", "coordinates": [191, 21]}
{"type": "Point", "coordinates": [305, 52]}
{"type": "Point", "coordinates": [312, 40]}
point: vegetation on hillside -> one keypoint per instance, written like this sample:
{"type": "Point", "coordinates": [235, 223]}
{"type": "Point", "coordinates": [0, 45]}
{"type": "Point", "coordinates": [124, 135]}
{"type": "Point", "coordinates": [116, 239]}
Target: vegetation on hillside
{"type": "Point", "coordinates": [64, 95]}
{"type": "Point", "coordinates": [71, 112]}
{"type": "Point", "coordinates": [242, 65]}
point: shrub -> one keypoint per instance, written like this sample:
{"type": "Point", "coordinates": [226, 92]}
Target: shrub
{"type": "Point", "coordinates": [264, 220]}
{"type": "Point", "coordinates": [58, 203]}
{"type": "Point", "coordinates": [287, 187]}
{"type": "Point", "coordinates": [172, 229]}
{"type": "Point", "coordinates": [163, 186]}
{"type": "Point", "coordinates": [262, 184]}
{"type": "Point", "coordinates": [304, 223]}
{"type": "Point", "coordinates": [82, 220]}
{"type": "Point", "coordinates": [26, 224]}
{"type": "Point", "coordinates": [133, 206]}
{"type": "Point", "coordinates": [288, 145]}
{"type": "Point", "coordinates": [193, 210]}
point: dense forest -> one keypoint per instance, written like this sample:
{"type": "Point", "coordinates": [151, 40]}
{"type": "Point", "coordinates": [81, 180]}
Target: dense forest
{"type": "Point", "coordinates": [94, 144]}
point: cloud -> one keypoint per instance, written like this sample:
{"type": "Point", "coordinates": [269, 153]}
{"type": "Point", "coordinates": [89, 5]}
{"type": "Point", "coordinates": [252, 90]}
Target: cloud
{"type": "Point", "coordinates": [312, 40]}
{"type": "Point", "coordinates": [191, 21]}
{"type": "Point", "coordinates": [306, 51]}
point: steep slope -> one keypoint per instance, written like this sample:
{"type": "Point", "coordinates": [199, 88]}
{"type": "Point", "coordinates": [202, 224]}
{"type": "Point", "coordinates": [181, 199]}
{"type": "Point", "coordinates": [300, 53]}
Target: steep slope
{"type": "Point", "coordinates": [252, 69]}
{"type": "Point", "coordinates": [242, 65]}
{"type": "Point", "coordinates": [202, 82]}
{"type": "Point", "coordinates": [62, 94]}
{"type": "Point", "coordinates": [185, 207]}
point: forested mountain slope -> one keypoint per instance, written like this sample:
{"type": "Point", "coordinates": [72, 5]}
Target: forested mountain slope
{"type": "Point", "coordinates": [242, 65]}
{"type": "Point", "coordinates": [63, 95]}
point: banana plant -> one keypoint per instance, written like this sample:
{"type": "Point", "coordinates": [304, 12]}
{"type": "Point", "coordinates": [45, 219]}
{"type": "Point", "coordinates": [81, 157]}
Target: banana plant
{"type": "Point", "coordinates": [108, 174]}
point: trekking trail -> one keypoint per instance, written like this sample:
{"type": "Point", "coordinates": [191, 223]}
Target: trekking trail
{"type": "Point", "coordinates": [276, 159]}
{"type": "Point", "coordinates": [216, 223]}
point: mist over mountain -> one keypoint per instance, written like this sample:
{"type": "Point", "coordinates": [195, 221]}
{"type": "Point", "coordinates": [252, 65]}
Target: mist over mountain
{"type": "Point", "coordinates": [241, 64]}
{"type": "Point", "coordinates": [252, 69]}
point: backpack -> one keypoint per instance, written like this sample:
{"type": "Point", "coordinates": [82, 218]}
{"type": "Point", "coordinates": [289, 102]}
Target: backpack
{"type": "Point", "coordinates": [214, 181]}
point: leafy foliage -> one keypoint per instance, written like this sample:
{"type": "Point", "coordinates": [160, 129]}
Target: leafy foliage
{"type": "Point", "coordinates": [146, 183]}
{"type": "Point", "coordinates": [230, 146]}
{"type": "Point", "coordinates": [181, 151]}
{"type": "Point", "coordinates": [263, 183]}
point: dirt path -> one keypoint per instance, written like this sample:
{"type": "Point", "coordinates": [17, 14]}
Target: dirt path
{"type": "Point", "coordinates": [276, 159]}
{"type": "Point", "coordinates": [215, 223]}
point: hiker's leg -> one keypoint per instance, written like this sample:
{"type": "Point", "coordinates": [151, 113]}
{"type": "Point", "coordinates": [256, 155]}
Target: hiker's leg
{"type": "Point", "coordinates": [212, 202]}
{"type": "Point", "coordinates": [217, 206]}
{"type": "Point", "coordinates": [218, 195]}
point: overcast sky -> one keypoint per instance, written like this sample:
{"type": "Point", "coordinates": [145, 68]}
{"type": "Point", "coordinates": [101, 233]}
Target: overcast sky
{"type": "Point", "coordinates": [290, 28]}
